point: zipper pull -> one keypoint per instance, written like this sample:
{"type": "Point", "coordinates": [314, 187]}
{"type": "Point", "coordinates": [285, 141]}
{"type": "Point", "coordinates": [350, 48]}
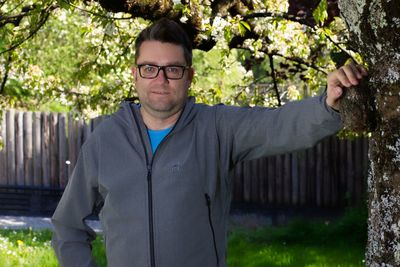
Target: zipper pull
{"type": "Point", "coordinates": [208, 200]}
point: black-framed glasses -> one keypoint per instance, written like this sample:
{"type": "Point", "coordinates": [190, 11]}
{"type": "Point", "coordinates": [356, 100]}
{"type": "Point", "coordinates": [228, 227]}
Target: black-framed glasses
{"type": "Point", "coordinates": [172, 72]}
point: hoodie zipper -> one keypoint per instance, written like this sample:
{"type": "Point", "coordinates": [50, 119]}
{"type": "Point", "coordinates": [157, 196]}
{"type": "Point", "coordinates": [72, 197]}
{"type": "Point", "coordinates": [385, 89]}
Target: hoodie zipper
{"type": "Point", "coordinates": [149, 194]}
{"type": "Point", "coordinates": [150, 204]}
{"type": "Point", "coordinates": [208, 201]}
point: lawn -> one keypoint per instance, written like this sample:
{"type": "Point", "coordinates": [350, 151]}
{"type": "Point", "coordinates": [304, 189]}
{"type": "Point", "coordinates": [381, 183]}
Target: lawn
{"type": "Point", "coordinates": [300, 243]}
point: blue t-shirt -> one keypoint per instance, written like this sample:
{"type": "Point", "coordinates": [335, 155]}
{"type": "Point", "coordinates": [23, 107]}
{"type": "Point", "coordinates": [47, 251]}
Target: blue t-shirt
{"type": "Point", "coordinates": [156, 136]}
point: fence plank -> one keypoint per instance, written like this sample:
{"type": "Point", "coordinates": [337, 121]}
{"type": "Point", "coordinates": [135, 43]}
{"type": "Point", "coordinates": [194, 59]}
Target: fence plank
{"type": "Point", "coordinates": [334, 172]}
{"type": "Point", "coordinates": [62, 149]}
{"type": "Point", "coordinates": [302, 169]}
{"type": "Point", "coordinates": [72, 144]}
{"type": "Point", "coordinates": [3, 156]}
{"type": "Point", "coordinates": [246, 182]}
{"type": "Point", "coordinates": [326, 177]}
{"type": "Point", "coordinates": [28, 149]}
{"type": "Point", "coordinates": [358, 169]}
{"type": "Point", "coordinates": [279, 180]}
{"type": "Point", "coordinates": [295, 179]}
{"type": "Point", "coordinates": [350, 171]}
{"type": "Point", "coordinates": [10, 116]}
{"type": "Point", "coordinates": [37, 149]}
{"type": "Point", "coordinates": [271, 180]}
{"type": "Point", "coordinates": [53, 147]}
{"type": "Point", "coordinates": [19, 149]}
{"type": "Point", "coordinates": [263, 165]}
{"type": "Point", "coordinates": [255, 180]}
{"type": "Point", "coordinates": [45, 149]}
{"type": "Point", "coordinates": [343, 169]}
{"type": "Point", "coordinates": [318, 180]}
{"type": "Point", "coordinates": [287, 188]}
{"type": "Point", "coordinates": [311, 175]}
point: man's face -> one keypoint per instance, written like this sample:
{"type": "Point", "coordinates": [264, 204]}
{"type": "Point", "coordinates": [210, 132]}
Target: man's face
{"type": "Point", "coordinates": [161, 96]}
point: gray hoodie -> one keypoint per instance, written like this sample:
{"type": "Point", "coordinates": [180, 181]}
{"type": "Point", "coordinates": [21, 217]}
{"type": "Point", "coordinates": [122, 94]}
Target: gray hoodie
{"type": "Point", "coordinates": [170, 208]}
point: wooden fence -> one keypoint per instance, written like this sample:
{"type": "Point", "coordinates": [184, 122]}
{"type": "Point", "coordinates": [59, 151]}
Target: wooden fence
{"type": "Point", "coordinates": [40, 151]}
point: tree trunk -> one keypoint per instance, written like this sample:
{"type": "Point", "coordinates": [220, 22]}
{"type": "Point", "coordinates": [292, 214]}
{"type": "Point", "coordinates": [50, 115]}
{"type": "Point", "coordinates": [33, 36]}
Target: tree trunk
{"type": "Point", "coordinates": [374, 26]}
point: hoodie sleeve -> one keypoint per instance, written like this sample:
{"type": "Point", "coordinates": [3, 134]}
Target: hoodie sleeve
{"type": "Point", "coordinates": [72, 237]}
{"type": "Point", "coordinates": [259, 132]}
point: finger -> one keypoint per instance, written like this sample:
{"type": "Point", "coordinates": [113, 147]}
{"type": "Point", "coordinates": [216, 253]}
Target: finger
{"type": "Point", "coordinates": [350, 71]}
{"type": "Point", "coordinates": [355, 71]}
{"type": "Point", "coordinates": [361, 69]}
{"type": "Point", "coordinates": [340, 78]}
{"type": "Point", "coordinates": [338, 91]}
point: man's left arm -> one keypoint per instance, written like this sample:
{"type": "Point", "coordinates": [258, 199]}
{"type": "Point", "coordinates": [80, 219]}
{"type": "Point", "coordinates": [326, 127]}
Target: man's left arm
{"type": "Point", "coordinates": [258, 132]}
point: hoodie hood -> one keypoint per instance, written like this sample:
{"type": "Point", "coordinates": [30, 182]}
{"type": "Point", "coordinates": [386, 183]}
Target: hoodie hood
{"type": "Point", "coordinates": [129, 112]}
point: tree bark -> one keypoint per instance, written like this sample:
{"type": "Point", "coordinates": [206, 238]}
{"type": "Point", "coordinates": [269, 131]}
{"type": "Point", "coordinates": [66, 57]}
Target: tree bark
{"type": "Point", "coordinates": [374, 27]}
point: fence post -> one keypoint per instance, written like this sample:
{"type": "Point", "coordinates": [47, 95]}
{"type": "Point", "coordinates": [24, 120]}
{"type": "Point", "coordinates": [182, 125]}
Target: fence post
{"type": "Point", "coordinates": [72, 140]}
{"type": "Point", "coordinates": [302, 171]}
{"type": "Point", "coordinates": [37, 155]}
{"type": "Point", "coordinates": [295, 178]}
{"type": "Point", "coordinates": [271, 180]}
{"type": "Point", "coordinates": [10, 115]}
{"type": "Point", "coordinates": [19, 145]}
{"type": "Point", "coordinates": [3, 156]}
{"type": "Point", "coordinates": [28, 160]}
{"type": "Point", "coordinates": [350, 171]}
{"type": "Point", "coordinates": [45, 150]}
{"type": "Point", "coordinates": [62, 148]}
{"type": "Point", "coordinates": [53, 147]}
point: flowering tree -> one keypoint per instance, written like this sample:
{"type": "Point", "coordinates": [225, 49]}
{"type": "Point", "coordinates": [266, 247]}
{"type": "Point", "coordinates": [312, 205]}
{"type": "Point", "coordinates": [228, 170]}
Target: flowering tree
{"type": "Point", "coordinates": [78, 55]}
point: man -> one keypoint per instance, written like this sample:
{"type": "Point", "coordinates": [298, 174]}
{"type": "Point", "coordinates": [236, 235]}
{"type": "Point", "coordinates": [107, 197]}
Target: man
{"type": "Point", "coordinates": [161, 171]}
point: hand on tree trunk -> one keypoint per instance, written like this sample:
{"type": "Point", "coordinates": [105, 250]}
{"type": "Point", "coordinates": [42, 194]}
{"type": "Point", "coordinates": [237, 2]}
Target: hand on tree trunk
{"type": "Point", "coordinates": [346, 76]}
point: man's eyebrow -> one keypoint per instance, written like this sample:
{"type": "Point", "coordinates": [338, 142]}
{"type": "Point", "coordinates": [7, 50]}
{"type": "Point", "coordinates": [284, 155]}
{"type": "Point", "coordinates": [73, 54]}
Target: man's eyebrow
{"type": "Point", "coordinates": [174, 63]}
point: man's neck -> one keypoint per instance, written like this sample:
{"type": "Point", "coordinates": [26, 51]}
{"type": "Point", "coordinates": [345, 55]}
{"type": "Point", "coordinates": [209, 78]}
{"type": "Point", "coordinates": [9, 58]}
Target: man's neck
{"type": "Point", "coordinates": [158, 122]}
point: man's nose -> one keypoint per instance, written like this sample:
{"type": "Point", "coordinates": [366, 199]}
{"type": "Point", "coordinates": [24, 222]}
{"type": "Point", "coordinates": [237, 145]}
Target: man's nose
{"type": "Point", "coordinates": [162, 76]}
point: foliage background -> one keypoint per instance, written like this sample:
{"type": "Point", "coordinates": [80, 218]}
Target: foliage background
{"type": "Point", "coordinates": [72, 56]}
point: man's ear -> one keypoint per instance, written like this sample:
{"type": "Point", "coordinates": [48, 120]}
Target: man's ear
{"type": "Point", "coordinates": [190, 76]}
{"type": "Point", "coordinates": [134, 72]}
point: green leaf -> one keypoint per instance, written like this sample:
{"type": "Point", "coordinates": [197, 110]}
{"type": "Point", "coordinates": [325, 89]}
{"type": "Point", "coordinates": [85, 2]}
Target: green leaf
{"type": "Point", "coordinates": [246, 25]}
{"type": "Point", "coordinates": [228, 34]}
{"type": "Point", "coordinates": [64, 4]}
{"type": "Point", "coordinates": [320, 14]}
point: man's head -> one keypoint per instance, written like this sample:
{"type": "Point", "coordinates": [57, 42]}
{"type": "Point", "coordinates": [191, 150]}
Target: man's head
{"type": "Point", "coordinates": [165, 31]}
{"type": "Point", "coordinates": [163, 72]}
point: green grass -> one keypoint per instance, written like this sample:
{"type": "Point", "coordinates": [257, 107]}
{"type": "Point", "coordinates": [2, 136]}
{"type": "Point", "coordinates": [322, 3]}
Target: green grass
{"type": "Point", "coordinates": [300, 243]}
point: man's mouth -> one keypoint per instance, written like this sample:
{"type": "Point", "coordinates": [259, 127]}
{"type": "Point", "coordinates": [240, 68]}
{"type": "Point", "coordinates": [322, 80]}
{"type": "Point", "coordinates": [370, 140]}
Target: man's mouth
{"type": "Point", "coordinates": [160, 92]}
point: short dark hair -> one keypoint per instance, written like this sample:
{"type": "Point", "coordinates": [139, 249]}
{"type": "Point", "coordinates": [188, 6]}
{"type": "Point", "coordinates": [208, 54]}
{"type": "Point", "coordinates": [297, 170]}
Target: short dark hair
{"type": "Point", "coordinates": [166, 31]}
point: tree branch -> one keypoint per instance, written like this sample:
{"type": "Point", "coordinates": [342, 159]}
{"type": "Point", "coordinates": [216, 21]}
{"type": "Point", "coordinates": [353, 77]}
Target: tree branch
{"type": "Point", "coordinates": [15, 19]}
{"type": "Point", "coordinates": [271, 64]}
{"type": "Point", "coordinates": [341, 49]}
{"type": "Point", "coordinates": [95, 13]}
{"type": "Point", "coordinates": [302, 20]}
{"type": "Point", "coordinates": [7, 68]}
{"type": "Point", "coordinates": [34, 31]}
